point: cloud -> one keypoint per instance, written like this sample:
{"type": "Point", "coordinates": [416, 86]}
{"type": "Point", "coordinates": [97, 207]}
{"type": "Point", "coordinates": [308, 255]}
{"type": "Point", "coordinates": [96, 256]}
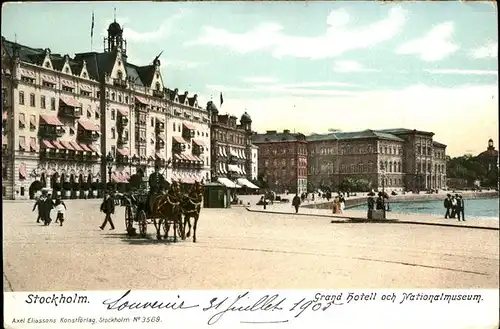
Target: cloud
{"type": "Point", "coordinates": [350, 66]}
{"type": "Point", "coordinates": [163, 31]}
{"type": "Point", "coordinates": [462, 72]}
{"type": "Point", "coordinates": [336, 40]}
{"type": "Point", "coordinates": [260, 80]}
{"type": "Point", "coordinates": [180, 65]}
{"type": "Point", "coordinates": [489, 50]}
{"type": "Point", "coordinates": [472, 109]}
{"type": "Point", "coordinates": [434, 46]}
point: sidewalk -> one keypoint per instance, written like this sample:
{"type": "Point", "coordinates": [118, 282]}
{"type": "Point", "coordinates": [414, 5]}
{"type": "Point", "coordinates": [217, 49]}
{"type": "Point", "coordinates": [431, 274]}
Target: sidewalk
{"type": "Point", "coordinates": [356, 216]}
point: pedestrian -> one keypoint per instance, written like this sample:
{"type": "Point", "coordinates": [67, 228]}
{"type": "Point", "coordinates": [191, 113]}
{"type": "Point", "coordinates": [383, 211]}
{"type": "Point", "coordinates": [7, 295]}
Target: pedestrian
{"type": "Point", "coordinates": [296, 202]}
{"type": "Point", "coordinates": [453, 206]}
{"type": "Point", "coordinates": [48, 206]}
{"type": "Point", "coordinates": [40, 203]}
{"type": "Point", "coordinates": [108, 207]}
{"type": "Point", "coordinates": [60, 209]}
{"type": "Point", "coordinates": [447, 206]}
{"type": "Point", "coordinates": [462, 207]}
{"type": "Point", "coordinates": [342, 203]}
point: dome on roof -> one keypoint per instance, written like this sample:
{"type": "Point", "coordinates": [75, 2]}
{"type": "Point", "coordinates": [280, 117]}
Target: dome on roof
{"type": "Point", "coordinates": [245, 118]}
{"type": "Point", "coordinates": [211, 107]}
{"type": "Point", "coordinates": [114, 29]}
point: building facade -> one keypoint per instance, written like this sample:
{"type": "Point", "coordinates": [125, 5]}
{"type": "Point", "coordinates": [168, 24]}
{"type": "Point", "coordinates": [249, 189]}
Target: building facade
{"type": "Point", "coordinates": [282, 160]}
{"type": "Point", "coordinates": [489, 157]}
{"type": "Point", "coordinates": [231, 147]}
{"type": "Point", "coordinates": [395, 159]}
{"type": "Point", "coordinates": [62, 116]}
{"type": "Point", "coordinates": [255, 162]}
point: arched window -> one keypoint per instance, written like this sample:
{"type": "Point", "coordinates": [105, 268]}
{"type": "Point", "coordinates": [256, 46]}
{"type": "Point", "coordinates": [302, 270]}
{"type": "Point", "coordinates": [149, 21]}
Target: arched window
{"type": "Point", "coordinates": [399, 166]}
{"type": "Point", "coordinates": [386, 168]}
{"type": "Point", "coordinates": [390, 166]}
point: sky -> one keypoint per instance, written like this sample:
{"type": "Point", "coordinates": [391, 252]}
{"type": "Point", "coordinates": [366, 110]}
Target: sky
{"type": "Point", "coordinates": [308, 67]}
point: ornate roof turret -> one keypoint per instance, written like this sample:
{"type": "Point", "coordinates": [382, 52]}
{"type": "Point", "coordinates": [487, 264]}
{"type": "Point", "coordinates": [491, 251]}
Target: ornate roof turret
{"type": "Point", "coordinates": [245, 118]}
{"type": "Point", "coordinates": [114, 29]}
{"type": "Point", "coordinates": [211, 107]}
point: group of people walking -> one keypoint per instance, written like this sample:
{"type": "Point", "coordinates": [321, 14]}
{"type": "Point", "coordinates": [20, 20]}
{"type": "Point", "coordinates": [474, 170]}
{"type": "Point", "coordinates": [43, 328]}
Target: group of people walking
{"type": "Point", "coordinates": [454, 205]}
{"type": "Point", "coordinates": [45, 204]}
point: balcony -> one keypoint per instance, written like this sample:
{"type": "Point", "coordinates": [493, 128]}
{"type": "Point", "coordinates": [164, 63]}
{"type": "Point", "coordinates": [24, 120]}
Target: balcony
{"type": "Point", "coordinates": [89, 136]}
{"type": "Point", "coordinates": [160, 127]}
{"type": "Point", "coordinates": [160, 143]}
{"type": "Point", "coordinates": [123, 121]}
{"type": "Point", "coordinates": [158, 93]}
{"type": "Point", "coordinates": [51, 132]}
{"type": "Point", "coordinates": [122, 140]}
{"type": "Point", "coordinates": [120, 83]}
{"type": "Point", "coordinates": [71, 112]}
{"type": "Point", "coordinates": [178, 148]}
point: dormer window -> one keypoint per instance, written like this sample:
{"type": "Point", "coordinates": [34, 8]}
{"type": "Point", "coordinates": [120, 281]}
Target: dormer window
{"type": "Point", "coordinates": [47, 65]}
{"type": "Point", "coordinates": [84, 75]}
{"type": "Point", "coordinates": [157, 75]}
{"type": "Point", "coordinates": [66, 70]}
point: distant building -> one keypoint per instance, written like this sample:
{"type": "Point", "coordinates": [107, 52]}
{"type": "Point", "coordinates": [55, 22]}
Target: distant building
{"type": "Point", "coordinates": [489, 158]}
{"type": "Point", "coordinates": [231, 148]}
{"type": "Point", "coordinates": [282, 160]}
{"type": "Point", "coordinates": [406, 159]}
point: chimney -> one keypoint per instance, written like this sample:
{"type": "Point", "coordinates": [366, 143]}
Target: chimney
{"type": "Point", "coordinates": [286, 131]}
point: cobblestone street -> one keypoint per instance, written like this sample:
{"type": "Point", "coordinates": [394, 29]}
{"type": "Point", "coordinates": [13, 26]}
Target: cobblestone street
{"type": "Point", "coordinates": [238, 249]}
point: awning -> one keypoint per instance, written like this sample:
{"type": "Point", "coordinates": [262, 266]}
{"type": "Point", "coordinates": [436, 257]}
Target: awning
{"type": "Point", "coordinates": [159, 156]}
{"type": "Point", "coordinates": [70, 101]}
{"type": "Point", "coordinates": [115, 178]}
{"type": "Point", "coordinates": [123, 112]}
{"type": "Point", "coordinates": [123, 152]}
{"type": "Point", "coordinates": [28, 73]}
{"type": "Point", "coordinates": [58, 145]}
{"type": "Point", "coordinates": [219, 151]}
{"type": "Point", "coordinates": [245, 182]}
{"type": "Point", "coordinates": [4, 140]}
{"type": "Point", "coordinates": [47, 144]}
{"type": "Point", "coordinates": [33, 120]}
{"type": "Point", "coordinates": [50, 120]}
{"type": "Point", "coordinates": [141, 100]}
{"type": "Point", "coordinates": [22, 143]}
{"type": "Point", "coordinates": [224, 152]}
{"type": "Point", "coordinates": [22, 170]}
{"type": "Point", "coordinates": [198, 142]}
{"type": "Point", "coordinates": [189, 157]}
{"type": "Point", "coordinates": [177, 157]}
{"type": "Point", "coordinates": [49, 79]}
{"type": "Point", "coordinates": [76, 146]}
{"type": "Point", "coordinates": [85, 148]}
{"type": "Point", "coordinates": [187, 180]}
{"type": "Point", "coordinates": [95, 149]}
{"type": "Point", "coordinates": [86, 88]}
{"type": "Point", "coordinates": [22, 119]}
{"type": "Point", "coordinates": [33, 145]}
{"type": "Point", "coordinates": [228, 183]}
{"type": "Point", "coordinates": [87, 125]}
{"type": "Point", "coordinates": [67, 83]}
{"type": "Point", "coordinates": [126, 176]}
{"type": "Point", "coordinates": [67, 145]}
{"type": "Point", "coordinates": [198, 159]}
{"type": "Point", "coordinates": [233, 153]}
{"type": "Point", "coordinates": [188, 126]}
{"type": "Point", "coordinates": [233, 168]}
{"type": "Point", "coordinates": [179, 139]}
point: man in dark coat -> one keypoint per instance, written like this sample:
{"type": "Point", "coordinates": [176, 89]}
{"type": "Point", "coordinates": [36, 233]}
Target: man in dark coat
{"type": "Point", "coordinates": [156, 184]}
{"type": "Point", "coordinates": [447, 206]}
{"type": "Point", "coordinates": [462, 207]}
{"type": "Point", "coordinates": [40, 203]}
{"type": "Point", "coordinates": [48, 206]}
{"type": "Point", "coordinates": [296, 202]}
{"type": "Point", "coordinates": [458, 207]}
{"type": "Point", "coordinates": [108, 207]}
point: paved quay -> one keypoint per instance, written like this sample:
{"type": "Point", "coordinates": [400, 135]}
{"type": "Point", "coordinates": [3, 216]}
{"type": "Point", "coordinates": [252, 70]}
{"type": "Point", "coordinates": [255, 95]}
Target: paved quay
{"type": "Point", "coordinates": [239, 249]}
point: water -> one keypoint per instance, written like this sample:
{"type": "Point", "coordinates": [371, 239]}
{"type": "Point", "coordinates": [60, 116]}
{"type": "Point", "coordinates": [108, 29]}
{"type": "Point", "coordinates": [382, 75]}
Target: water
{"type": "Point", "coordinates": [474, 208]}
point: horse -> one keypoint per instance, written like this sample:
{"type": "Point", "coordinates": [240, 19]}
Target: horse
{"type": "Point", "coordinates": [191, 207]}
{"type": "Point", "coordinates": [166, 208]}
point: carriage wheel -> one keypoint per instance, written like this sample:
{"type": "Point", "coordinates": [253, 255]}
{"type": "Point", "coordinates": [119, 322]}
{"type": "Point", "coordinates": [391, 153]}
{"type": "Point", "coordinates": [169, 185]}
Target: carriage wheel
{"type": "Point", "coordinates": [129, 221]}
{"type": "Point", "coordinates": [143, 223]}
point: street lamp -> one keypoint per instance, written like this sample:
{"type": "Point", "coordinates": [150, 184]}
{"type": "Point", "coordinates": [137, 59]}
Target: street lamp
{"type": "Point", "coordinates": [109, 162]}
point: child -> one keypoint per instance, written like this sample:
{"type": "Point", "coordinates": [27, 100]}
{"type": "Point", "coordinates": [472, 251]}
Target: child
{"type": "Point", "coordinates": [60, 209]}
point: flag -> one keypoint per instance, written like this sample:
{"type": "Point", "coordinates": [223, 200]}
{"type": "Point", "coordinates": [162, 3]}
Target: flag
{"type": "Point", "coordinates": [221, 99]}
{"type": "Point", "coordinates": [92, 26]}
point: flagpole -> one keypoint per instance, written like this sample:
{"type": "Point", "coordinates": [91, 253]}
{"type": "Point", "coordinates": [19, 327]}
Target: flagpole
{"type": "Point", "coordinates": [92, 33]}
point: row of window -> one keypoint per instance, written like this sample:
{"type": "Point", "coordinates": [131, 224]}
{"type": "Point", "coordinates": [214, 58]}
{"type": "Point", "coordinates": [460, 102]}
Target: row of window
{"type": "Point", "coordinates": [230, 138]}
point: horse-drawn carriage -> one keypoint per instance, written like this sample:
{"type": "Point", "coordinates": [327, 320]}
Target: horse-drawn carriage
{"type": "Point", "coordinates": [168, 211]}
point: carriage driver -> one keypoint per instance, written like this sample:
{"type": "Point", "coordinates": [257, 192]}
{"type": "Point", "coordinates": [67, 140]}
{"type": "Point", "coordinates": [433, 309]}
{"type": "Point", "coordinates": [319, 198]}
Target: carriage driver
{"type": "Point", "coordinates": [157, 183]}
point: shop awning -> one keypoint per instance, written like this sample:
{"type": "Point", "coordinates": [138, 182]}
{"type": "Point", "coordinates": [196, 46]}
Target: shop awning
{"type": "Point", "coordinates": [70, 101]}
{"type": "Point", "coordinates": [67, 83]}
{"type": "Point", "coordinates": [115, 178]}
{"type": "Point", "coordinates": [76, 146]}
{"type": "Point", "coordinates": [22, 170]}
{"type": "Point", "coordinates": [179, 139]}
{"type": "Point", "coordinates": [87, 125]}
{"type": "Point", "coordinates": [141, 100]}
{"type": "Point", "coordinates": [198, 142]}
{"type": "Point", "coordinates": [123, 152]}
{"type": "Point", "coordinates": [47, 144]}
{"type": "Point", "coordinates": [49, 79]}
{"type": "Point", "coordinates": [227, 183]}
{"type": "Point", "coordinates": [27, 73]}
{"type": "Point", "coordinates": [67, 145]}
{"type": "Point", "coordinates": [123, 112]}
{"type": "Point", "coordinates": [85, 148]}
{"type": "Point", "coordinates": [95, 149]}
{"type": "Point", "coordinates": [58, 145]}
{"type": "Point", "coordinates": [50, 120]}
{"type": "Point", "coordinates": [247, 183]}
{"type": "Point", "coordinates": [188, 126]}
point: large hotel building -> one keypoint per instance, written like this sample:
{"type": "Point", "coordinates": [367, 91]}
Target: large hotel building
{"type": "Point", "coordinates": [395, 159]}
{"type": "Point", "coordinates": [69, 122]}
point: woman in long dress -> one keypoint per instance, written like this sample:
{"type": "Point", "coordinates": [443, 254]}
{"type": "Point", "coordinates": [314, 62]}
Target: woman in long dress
{"type": "Point", "coordinates": [342, 203]}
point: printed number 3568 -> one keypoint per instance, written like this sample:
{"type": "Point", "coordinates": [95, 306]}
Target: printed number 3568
{"type": "Point", "coordinates": [150, 319]}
